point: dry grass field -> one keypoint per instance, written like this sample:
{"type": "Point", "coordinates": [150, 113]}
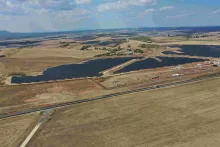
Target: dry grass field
{"type": "Point", "coordinates": [183, 116]}
{"type": "Point", "coordinates": [35, 60]}
{"type": "Point", "coordinates": [164, 39]}
{"type": "Point", "coordinates": [18, 98]}
{"type": "Point", "coordinates": [14, 130]}
{"type": "Point", "coordinates": [53, 48]}
{"type": "Point", "coordinates": [146, 76]}
{"type": "Point", "coordinates": [39, 52]}
{"type": "Point", "coordinates": [31, 65]}
{"type": "Point", "coordinates": [32, 61]}
{"type": "Point", "coordinates": [193, 42]}
{"type": "Point", "coordinates": [183, 41]}
{"type": "Point", "coordinates": [148, 52]}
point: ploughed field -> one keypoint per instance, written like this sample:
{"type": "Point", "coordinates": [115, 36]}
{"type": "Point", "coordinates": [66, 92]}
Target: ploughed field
{"type": "Point", "coordinates": [186, 116]}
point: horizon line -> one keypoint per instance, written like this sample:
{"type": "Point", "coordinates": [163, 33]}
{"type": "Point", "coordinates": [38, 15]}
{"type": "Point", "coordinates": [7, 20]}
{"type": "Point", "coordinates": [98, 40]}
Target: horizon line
{"type": "Point", "coordinates": [79, 30]}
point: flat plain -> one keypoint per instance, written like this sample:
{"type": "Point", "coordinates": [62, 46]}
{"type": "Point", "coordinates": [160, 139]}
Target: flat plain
{"type": "Point", "coordinates": [14, 130]}
{"type": "Point", "coordinates": [22, 97]}
{"type": "Point", "coordinates": [182, 116]}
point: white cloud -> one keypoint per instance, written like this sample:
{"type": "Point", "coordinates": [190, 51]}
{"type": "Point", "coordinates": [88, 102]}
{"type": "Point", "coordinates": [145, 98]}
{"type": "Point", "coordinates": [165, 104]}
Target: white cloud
{"type": "Point", "coordinates": [122, 4]}
{"type": "Point", "coordinates": [216, 12]}
{"type": "Point", "coordinates": [179, 16]}
{"type": "Point", "coordinates": [150, 11]}
{"type": "Point", "coordinates": [9, 4]}
{"type": "Point", "coordinates": [9, 8]}
{"type": "Point", "coordinates": [147, 11]}
{"type": "Point", "coordinates": [43, 2]}
{"type": "Point", "coordinates": [72, 13]}
{"type": "Point", "coordinates": [83, 1]}
{"type": "Point", "coordinates": [56, 5]}
{"type": "Point", "coordinates": [28, 7]}
{"type": "Point", "coordinates": [69, 16]}
{"type": "Point", "coordinates": [166, 8]}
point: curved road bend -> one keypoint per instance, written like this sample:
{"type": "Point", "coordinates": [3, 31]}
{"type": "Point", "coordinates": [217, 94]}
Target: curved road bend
{"type": "Point", "coordinates": [113, 95]}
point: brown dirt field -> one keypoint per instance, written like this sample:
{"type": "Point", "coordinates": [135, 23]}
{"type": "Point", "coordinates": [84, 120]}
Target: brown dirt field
{"type": "Point", "coordinates": [164, 73]}
{"type": "Point", "coordinates": [32, 65]}
{"type": "Point", "coordinates": [148, 52]}
{"type": "Point", "coordinates": [42, 51]}
{"type": "Point", "coordinates": [164, 39]}
{"type": "Point", "coordinates": [133, 43]}
{"type": "Point", "coordinates": [14, 130]}
{"type": "Point", "coordinates": [135, 78]}
{"type": "Point", "coordinates": [183, 41]}
{"type": "Point", "coordinates": [103, 38]}
{"type": "Point", "coordinates": [18, 98]}
{"type": "Point", "coordinates": [208, 36]}
{"type": "Point", "coordinates": [183, 116]}
{"type": "Point", "coordinates": [193, 43]}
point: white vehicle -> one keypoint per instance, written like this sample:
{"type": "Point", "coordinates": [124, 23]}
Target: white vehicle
{"type": "Point", "coordinates": [177, 75]}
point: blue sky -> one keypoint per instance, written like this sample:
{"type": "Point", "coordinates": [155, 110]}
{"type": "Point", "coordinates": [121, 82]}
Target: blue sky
{"type": "Point", "coordinates": [63, 15]}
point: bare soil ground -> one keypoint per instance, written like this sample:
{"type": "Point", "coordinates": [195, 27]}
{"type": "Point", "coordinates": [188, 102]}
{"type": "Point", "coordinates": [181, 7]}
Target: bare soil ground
{"type": "Point", "coordinates": [22, 97]}
{"type": "Point", "coordinates": [164, 39]}
{"type": "Point", "coordinates": [30, 66]}
{"type": "Point", "coordinates": [35, 60]}
{"type": "Point", "coordinates": [32, 61]}
{"type": "Point", "coordinates": [183, 116]}
{"type": "Point", "coordinates": [103, 38]}
{"type": "Point", "coordinates": [207, 36]}
{"type": "Point", "coordinates": [164, 74]}
{"type": "Point", "coordinates": [148, 52]}
{"type": "Point", "coordinates": [39, 52]}
{"type": "Point", "coordinates": [183, 41]}
{"type": "Point", "coordinates": [192, 42]}
{"type": "Point", "coordinates": [14, 130]}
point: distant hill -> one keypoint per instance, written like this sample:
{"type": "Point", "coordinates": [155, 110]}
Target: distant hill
{"type": "Point", "coordinates": [4, 32]}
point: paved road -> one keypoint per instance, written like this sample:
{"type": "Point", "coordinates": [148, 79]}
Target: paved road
{"type": "Point", "coordinates": [44, 116]}
{"type": "Point", "coordinates": [114, 95]}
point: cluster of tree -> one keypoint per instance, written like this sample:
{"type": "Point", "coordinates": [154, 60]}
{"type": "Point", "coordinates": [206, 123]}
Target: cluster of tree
{"type": "Point", "coordinates": [149, 46]}
{"type": "Point", "coordinates": [64, 44]}
{"type": "Point", "coordinates": [143, 38]}
{"type": "Point", "coordinates": [105, 54]}
{"type": "Point", "coordinates": [114, 49]}
{"type": "Point", "coordinates": [98, 48]}
{"type": "Point", "coordinates": [111, 53]}
{"type": "Point", "coordinates": [85, 47]}
{"type": "Point", "coordinates": [138, 51]}
{"type": "Point", "coordinates": [188, 36]}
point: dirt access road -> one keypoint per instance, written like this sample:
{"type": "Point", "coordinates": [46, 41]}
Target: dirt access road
{"type": "Point", "coordinates": [45, 116]}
